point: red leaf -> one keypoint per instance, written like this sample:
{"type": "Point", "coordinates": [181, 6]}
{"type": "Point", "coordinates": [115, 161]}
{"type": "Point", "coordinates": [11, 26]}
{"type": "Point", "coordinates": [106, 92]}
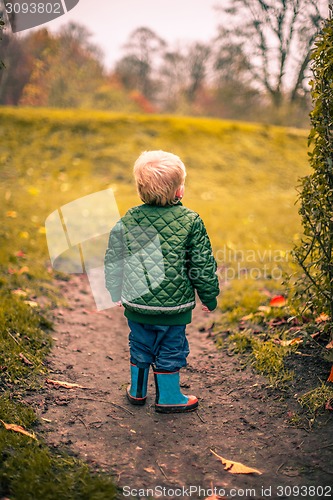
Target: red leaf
{"type": "Point", "coordinates": [278, 301]}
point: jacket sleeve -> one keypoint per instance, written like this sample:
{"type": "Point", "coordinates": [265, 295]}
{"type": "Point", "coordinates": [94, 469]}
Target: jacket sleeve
{"type": "Point", "coordinates": [114, 263]}
{"type": "Point", "coordinates": [202, 265]}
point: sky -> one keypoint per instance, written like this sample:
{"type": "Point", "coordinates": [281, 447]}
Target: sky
{"type": "Point", "coordinates": [111, 21]}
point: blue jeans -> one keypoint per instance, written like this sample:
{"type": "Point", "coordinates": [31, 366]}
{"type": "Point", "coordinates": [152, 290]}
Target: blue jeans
{"type": "Point", "coordinates": [164, 346]}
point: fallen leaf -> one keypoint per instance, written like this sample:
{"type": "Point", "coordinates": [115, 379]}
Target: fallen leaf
{"type": "Point", "coordinates": [247, 317]}
{"type": "Point", "coordinates": [278, 301]}
{"type": "Point", "coordinates": [329, 345]}
{"type": "Point", "coordinates": [11, 213]}
{"type": "Point", "coordinates": [33, 191]}
{"type": "Point", "coordinates": [25, 360]}
{"type": "Point", "coordinates": [330, 377]}
{"type": "Point", "coordinates": [59, 383]}
{"type": "Point", "coordinates": [328, 405]}
{"type": "Point", "coordinates": [19, 292]}
{"type": "Point", "coordinates": [23, 269]}
{"type": "Point", "coordinates": [322, 318]}
{"type": "Point", "coordinates": [17, 428]}
{"type": "Point", "coordinates": [31, 303]}
{"type": "Point", "coordinates": [265, 309]}
{"type": "Point", "coordinates": [295, 341]}
{"type": "Point", "coordinates": [151, 470]}
{"type": "Point", "coordinates": [21, 254]}
{"type": "Point", "coordinates": [236, 467]}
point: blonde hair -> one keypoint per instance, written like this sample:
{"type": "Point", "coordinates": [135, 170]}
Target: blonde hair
{"type": "Point", "coordinates": [158, 175]}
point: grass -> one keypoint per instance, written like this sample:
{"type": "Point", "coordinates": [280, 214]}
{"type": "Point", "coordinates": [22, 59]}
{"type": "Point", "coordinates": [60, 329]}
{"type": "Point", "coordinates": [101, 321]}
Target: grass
{"type": "Point", "coordinates": [315, 400]}
{"type": "Point", "coordinates": [266, 357]}
{"type": "Point", "coordinates": [241, 179]}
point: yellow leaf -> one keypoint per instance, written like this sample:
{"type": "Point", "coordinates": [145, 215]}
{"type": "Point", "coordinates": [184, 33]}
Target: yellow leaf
{"type": "Point", "coordinates": [151, 470]}
{"type": "Point", "coordinates": [297, 340]}
{"type": "Point", "coordinates": [33, 191]}
{"type": "Point", "coordinates": [265, 309]}
{"type": "Point", "coordinates": [31, 303]}
{"type": "Point", "coordinates": [236, 467]}
{"type": "Point", "coordinates": [24, 235]}
{"type": "Point", "coordinates": [59, 383]}
{"type": "Point", "coordinates": [17, 428]}
{"type": "Point", "coordinates": [247, 317]}
{"type": "Point", "coordinates": [42, 230]}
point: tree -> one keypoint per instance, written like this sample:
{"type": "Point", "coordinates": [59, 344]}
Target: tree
{"type": "Point", "coordinates": [197, 61]}
{"type": "Point", "coordinates": [144, 49]}
{"type": "Point", "coordinates": [276, 36]}
{"type": "Point", "coordinates": [315, 251]}
{"type": "Point", "coordinates": [53, 83]}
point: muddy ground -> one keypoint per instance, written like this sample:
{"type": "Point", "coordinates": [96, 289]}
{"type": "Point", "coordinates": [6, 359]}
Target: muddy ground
{"type": "Point", "coordinates": [240, 416]}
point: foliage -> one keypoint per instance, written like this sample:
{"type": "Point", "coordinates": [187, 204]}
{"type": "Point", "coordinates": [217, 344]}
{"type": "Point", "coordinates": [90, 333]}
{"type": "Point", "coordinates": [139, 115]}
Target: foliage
{"type": "Point", "coordinates": [314, 401]}
{"type": "Point", "coordinates": [314, 252]}
{"type": "Point", "coordinates": [266, 356]}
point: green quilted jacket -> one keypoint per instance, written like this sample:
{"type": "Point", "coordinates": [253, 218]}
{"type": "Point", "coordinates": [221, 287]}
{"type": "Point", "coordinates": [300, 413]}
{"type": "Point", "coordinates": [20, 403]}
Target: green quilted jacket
{"type": "Point", "coordinates": [156, 258]}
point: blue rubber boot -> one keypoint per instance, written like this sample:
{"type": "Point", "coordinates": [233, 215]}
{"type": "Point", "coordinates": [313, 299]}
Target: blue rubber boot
{"type": "Point", "coordinates": [169, 398]}
{"type": "Point", "coordinates": [137, 391]}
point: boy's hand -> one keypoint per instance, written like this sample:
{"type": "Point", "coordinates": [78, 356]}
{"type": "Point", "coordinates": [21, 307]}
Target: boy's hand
{"type": "Point", "coordinates": [205, 308]}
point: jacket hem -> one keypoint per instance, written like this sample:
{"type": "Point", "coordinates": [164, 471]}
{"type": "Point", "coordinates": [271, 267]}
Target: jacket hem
{"type": "Point", "coordinates": [183, 318]}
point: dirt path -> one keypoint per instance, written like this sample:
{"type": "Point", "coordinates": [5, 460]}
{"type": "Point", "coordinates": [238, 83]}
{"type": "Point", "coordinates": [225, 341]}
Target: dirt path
{"type": "Point", "coordinates": [240, 417]}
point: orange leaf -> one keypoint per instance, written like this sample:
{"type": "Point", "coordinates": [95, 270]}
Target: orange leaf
{"type": "Point", "coordinates": [23, 269]}
{"type": "Point", "coordinates": [278, 301]}
{"type": "Point", "coordinates": [236, 467]}
{"type": "Point", "coordinates": [297, 340]}
{"type": "Point", "coordinates": [322, 318]}
{"type": "Point", "coordinates": [330, 345]}
{"type": "Point", "coordinates": [11, 213]}
{"type": "Point", "coordinates": [17, 428]}
{"type": "Point", "coordinates": [59, 383]}
{"type": "Point", "coordinates": [330, 377]}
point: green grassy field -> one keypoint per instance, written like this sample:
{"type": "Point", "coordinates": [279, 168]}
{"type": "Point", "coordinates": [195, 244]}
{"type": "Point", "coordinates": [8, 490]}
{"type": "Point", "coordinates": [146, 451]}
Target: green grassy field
{"type": "Point", "coordinates": [241, 179]}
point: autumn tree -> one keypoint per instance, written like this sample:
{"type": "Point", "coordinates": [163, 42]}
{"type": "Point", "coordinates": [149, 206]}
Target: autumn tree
{"type": "Point", "coordinates": [137, 68]}
{"type": "Point", "coordinates": [276, 37]}
{"type": "Point", "coordinates": [53, 83]}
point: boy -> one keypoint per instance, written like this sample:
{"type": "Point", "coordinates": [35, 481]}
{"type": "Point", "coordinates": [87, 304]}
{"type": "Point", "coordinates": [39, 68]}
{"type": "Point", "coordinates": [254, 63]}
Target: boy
{"type": "Point", "coordinates": [158, 254]}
